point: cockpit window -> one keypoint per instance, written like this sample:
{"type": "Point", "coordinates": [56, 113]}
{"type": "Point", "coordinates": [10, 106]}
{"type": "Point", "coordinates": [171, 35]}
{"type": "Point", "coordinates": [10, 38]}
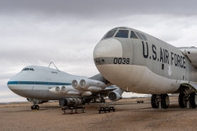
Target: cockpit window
{"type": "Point", "coordinates": [139, 36]}
{"type": "Point", "coordinates": [122, 33]}
{"type": "Point", "coordinates": [133, 35]}
{"type": "Point", "coordinates": [110, 33]}
{"type": "Point", "coordinates": [144, 37]}
{"type": "Point", "coordinates": [28, 69]}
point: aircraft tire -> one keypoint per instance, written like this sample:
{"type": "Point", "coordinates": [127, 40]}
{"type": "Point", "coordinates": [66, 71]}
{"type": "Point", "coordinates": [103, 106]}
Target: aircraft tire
{"type": "Point", "coordinates": [193, 99]}
{"type": "Point", "coordinates": [154, 104]}
{"type": "Point", "coordinates": [37, 107]}
{"type": "Point", "coordinates": [182, 101]}
{"type": "Point", "coordinates": [165, 101]}
{"type": "Point", "coordinates": [33, 107]}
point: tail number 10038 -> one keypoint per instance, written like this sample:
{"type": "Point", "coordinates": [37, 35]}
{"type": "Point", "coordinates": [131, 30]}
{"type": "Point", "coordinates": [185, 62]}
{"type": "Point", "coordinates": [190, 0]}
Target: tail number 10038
{"type": "Point", "coordinates": [121, 60]}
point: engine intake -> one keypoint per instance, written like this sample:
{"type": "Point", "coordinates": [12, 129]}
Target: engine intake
{"type": "Point", "coordinates": [56, 90]}
{"type": "Point", "coordinates": [114, 96]}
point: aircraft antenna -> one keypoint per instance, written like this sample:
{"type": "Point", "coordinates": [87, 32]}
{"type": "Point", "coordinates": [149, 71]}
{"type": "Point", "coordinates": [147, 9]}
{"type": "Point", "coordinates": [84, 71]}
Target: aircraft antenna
{"type": "Point", "coordinates": [51, 63]}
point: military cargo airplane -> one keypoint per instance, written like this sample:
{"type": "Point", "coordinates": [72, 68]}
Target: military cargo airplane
{"type": "Point", "coordinates": [40, 84]}
{"type": "Point", "coordinates": [141, 63]}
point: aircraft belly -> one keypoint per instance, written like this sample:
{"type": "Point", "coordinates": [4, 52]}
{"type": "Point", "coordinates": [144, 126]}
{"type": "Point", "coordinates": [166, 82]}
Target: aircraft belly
{"type": "Point", "coordinates": [38, 93]}
{"type": "Point", "coordinates": [138, 79]}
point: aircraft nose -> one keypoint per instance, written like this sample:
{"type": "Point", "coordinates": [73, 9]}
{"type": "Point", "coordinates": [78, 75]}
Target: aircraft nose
{"type": "Point", "coordinates": [11, 84]}
{"type": "Point", "coordinates": [108, 48]}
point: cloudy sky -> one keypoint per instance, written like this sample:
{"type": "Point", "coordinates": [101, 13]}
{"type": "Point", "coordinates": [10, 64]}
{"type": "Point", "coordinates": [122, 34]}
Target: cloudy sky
{"type": "Point", "coordinates": [37, 32]}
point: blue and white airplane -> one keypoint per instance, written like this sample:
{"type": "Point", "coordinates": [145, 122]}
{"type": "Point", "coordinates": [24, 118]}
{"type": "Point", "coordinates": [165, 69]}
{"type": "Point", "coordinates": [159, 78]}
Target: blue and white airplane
{"type": "Point", "coordinates": [40, 84]}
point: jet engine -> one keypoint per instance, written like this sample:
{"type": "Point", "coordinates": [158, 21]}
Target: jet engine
{"type": "Point", "coordinates": [88, 83]}
{"type": "Point", "coordinates": [74, 102]}
{"type": "Point", "coordinates": [75, 84]}
{"type": "Point", "coordinates": [114, 96]}
{"type": "Point", "coordinates": [63, 89]}
{"type": "Point", "coordinates": [56, 90]}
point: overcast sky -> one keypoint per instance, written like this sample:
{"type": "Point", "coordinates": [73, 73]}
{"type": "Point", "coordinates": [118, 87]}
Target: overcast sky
{"type": "Point", "coordinates": [37, 32]}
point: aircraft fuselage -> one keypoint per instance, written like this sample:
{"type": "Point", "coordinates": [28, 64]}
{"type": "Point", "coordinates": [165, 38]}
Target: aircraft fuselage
{"type": "Point", "coordinates": [141, 63]}
{"type": "Point", "coordinates": [36, 82]}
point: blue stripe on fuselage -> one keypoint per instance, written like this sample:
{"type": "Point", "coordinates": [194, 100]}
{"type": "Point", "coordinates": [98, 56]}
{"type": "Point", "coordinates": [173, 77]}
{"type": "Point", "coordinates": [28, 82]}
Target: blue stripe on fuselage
{"type": "Point", "coordinates": [36, 83]}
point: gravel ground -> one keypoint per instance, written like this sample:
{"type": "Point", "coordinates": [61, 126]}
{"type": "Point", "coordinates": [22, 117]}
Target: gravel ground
{"type": "Point", "coordinates": [129, 116]}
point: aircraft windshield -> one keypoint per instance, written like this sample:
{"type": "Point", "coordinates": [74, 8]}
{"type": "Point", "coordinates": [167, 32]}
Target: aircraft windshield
{"type": "Point", "coordinates": [122, 34]}
{"type": "Point", "coordinates": [28, 69]}
{"type": "Point", "coordinates": [110, 33]}
{"type": "Point", "coordinates": [133, 35]}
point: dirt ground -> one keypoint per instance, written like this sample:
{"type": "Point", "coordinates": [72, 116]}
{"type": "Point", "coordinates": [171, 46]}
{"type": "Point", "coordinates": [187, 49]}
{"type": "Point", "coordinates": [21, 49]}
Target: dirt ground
{"type": "Point", "coordinates": [129, 116]}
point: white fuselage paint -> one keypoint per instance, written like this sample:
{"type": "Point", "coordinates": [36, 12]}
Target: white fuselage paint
{"type": "Point", "coordinates": [37, 83]}
{"type": "Point", "coordinates": [139, 79]}
{"type": "Point", "coordinates": [140, 65]}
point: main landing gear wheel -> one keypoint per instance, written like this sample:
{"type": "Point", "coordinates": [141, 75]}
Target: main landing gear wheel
{"type": "Point", "coordinates": [182, 100]}
{"type": "Point", "coordinates": [162, 100]}
{"type": "Point", "coordinates": [165, 101]}
{"type": "Point", "coordinates": [193, 99]}
{"type": "Point", "coordinates": [154, 102]}
{"type": "Point", "coordinates": [35, 107]}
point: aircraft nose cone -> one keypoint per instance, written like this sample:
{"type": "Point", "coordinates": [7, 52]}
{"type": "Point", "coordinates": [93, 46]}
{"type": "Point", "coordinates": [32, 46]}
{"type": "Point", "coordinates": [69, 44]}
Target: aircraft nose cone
{"type": "Point", "coordinates": [108, 48]}
{"type": "Point", "coordinates": [11, 84]}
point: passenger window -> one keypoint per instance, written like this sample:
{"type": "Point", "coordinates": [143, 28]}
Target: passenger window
{"type": "Point", "coordinates": [139, 36]}
{"type": "Point", "coordinates": [144, 37]}
{"type": "Point", "coordinates": [133, 35]}
{"type": "Point", "coordinates": [110, 33]}
{"type": "Point", "coordinates": [122, 33]}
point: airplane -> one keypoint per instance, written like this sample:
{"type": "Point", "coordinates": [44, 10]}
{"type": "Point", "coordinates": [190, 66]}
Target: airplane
{"type": "Point", "coordinates": [40, 84]}
{"type": "Point", "coordinates": [141, 63]}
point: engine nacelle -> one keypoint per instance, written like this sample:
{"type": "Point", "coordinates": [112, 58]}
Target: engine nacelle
{"type": "Point", "coordinates": [71, 102]}
{"type": "Point", "coordinates": [76, 85]}
{"type": "Point", "coordinates": [88, 83]}
{"type": "Point", "coordinates": [86, 93]}
{"type": "Point", "coordinates": [114, 96]}
{"type": "Point", "coordinates": [63, 89]}
{"type": "Point", "coordinates": [69, 90]}
{"type": "Point", "coordinates": [56, 90]}
{"type": "Point", "coordinates": [94, 89]}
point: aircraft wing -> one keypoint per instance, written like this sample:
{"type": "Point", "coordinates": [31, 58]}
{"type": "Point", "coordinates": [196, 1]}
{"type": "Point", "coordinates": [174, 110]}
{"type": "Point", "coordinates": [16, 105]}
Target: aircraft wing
{"type": "Point", "coordinates": [105, 92]}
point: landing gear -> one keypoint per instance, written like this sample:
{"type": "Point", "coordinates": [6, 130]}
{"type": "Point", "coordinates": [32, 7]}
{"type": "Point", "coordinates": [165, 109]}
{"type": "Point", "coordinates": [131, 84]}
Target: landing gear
{"type": "Point", "coordinates": [154, 102]}
{"type": "Point", "coordinates": [102, 99]}
{"type": "Point", "coordinates": [160, 101]}
{"type": "Point", "coordinates": [35, 107]}
{"type": "Point", "coordinates": [165, 101]}
{"type": "Point", "coordinates": [193, 100]}
{"type": "Point", "coordinates": [182, 100]}
{"type": "Point", "coordinates": [99, 99]}
{"type": "Point", "coordinates": [188, 99]}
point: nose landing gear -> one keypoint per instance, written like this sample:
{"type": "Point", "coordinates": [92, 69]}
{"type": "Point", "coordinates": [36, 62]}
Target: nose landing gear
{"type": "Point", "coordinates": [35, 107]}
